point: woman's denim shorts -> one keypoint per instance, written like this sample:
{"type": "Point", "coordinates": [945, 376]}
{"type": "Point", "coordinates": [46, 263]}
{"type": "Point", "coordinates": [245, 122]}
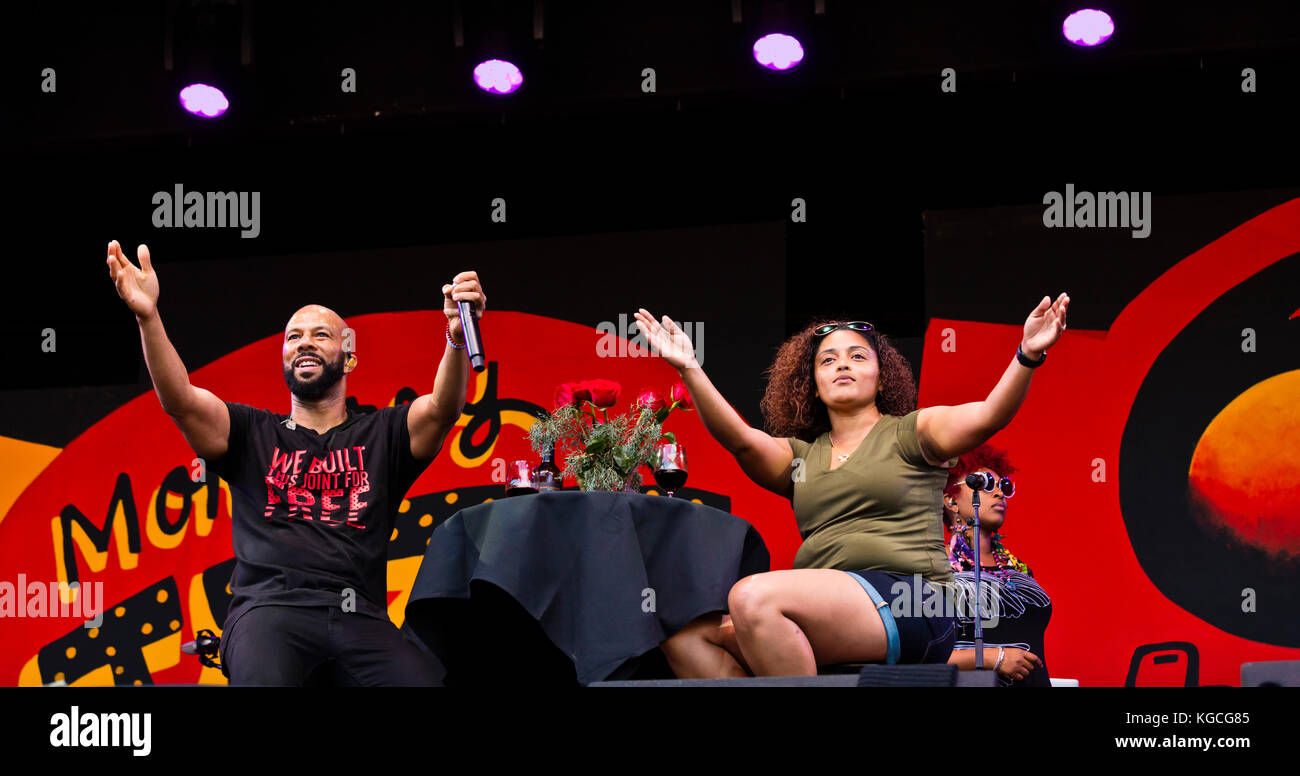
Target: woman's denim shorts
{"type": "Point", "coordinates": [923, 636]}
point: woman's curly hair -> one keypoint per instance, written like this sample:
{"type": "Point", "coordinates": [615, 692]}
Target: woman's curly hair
{"type": "Point", "coordinates": [790, 408]}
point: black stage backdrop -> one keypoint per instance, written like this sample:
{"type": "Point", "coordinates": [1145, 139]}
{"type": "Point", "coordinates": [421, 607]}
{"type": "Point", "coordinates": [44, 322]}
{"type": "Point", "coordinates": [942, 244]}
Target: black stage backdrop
{"type": "Point", "coordinates": [727, 277]}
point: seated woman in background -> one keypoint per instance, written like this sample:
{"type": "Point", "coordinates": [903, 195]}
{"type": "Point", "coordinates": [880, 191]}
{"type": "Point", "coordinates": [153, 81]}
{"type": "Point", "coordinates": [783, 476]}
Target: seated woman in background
{"type": "Point", "coordinates": [864, 470]}
{"type": "Point", "coordinates": [1014, 646]}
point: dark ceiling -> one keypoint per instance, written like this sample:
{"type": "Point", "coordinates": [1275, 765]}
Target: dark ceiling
{"type": "Point", "coordinates": [110, 57]}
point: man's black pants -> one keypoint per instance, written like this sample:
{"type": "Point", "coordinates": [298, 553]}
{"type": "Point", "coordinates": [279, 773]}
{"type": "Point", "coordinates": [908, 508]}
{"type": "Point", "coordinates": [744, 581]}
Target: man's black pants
{"type": "Point", "coordinates": [300, 645]}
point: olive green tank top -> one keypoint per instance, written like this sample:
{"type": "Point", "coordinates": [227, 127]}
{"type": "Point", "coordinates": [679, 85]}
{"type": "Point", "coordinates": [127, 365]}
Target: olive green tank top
{"type": "Point", "coordinates": [881, 509]}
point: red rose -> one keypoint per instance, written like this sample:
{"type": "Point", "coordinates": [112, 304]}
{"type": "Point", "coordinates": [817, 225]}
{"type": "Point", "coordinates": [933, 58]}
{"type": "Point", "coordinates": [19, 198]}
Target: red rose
{"type": "Point", "coordinates": [564, 396]}
{"type": "Point", "coordinates": [680, 396]}
{"type": "Point", "coordinates": [604, 393]}
{"type": "Point", "coordinates": [581, 392]}
{"type": "Point", "coordinates": [650, 400]}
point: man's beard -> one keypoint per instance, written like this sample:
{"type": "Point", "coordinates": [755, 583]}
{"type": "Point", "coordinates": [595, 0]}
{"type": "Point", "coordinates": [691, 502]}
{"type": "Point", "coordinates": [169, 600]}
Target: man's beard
{"type": "Point", "coordinates": [311, 390]}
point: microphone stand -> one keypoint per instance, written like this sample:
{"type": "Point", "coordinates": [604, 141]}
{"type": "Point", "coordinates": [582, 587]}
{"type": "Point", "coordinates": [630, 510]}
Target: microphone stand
{"type": "Point", "coordinates": [979, 628]}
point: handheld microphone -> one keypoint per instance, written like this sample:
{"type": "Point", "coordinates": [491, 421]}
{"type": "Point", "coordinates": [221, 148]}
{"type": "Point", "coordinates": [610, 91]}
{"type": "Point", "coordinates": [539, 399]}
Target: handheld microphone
{"type": "Point", "coordinates": [473, 343]}
{"type": "Point", "coordinates": [981, 481]}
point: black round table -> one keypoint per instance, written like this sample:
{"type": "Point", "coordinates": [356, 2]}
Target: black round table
{"type": "Point", "coordinates": [573, 587]}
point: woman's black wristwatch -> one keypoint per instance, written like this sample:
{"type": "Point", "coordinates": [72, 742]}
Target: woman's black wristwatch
{"type": "Point", "coordinates": [1027, 361]}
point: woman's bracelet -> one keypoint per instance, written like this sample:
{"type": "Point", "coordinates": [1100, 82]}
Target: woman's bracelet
{"type": "Point", "coordinates": [1029, 362]}
{"type": "Point", "coordinates": [451, 341]}
{"type": "Point", "coordinates": [1002, 652]}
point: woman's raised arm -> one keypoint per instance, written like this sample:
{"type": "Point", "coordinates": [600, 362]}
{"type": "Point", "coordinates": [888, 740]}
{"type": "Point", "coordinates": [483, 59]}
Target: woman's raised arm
{"type": "Point", "coordinates": [947, 432]}
{"type": "Point", "coordinates": [765, 459]}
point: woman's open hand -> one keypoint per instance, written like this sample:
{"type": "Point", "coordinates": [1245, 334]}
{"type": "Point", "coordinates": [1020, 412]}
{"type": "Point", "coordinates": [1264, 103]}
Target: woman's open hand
{"type": "Point", "coordinates": [667, 339]}
{"type": "Point", "coordinates": [1044, 326]}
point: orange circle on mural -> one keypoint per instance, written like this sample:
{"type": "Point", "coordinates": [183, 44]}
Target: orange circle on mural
{"type": "Point", "coordinates": [1243, 475]}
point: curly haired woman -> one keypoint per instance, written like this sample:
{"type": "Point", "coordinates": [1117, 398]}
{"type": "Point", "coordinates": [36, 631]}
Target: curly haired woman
{"type": "Point", "coordinates": [865, 472]}
{"type": "Point", "coordinates": [1014, 645]}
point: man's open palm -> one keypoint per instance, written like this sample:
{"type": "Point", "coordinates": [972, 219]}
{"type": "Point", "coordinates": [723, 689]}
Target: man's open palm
{"type": "Point", "coordinates": [138, 286]}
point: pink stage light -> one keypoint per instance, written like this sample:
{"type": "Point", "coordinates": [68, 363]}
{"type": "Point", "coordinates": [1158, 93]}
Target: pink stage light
{"type": "Point", "coordinates": [778, 51]}
{"type": "Point", "coordinates": [1088, 27]}
{"type": "Point", "coordinates": [497, 76]}
{"type": "Point", "coordinates": [203, 100]}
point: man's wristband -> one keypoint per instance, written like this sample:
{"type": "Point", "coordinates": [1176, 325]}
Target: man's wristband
{"type": "Point", "coordinates": [451, 341]}
{"type": "Point", "coordinates": [1027, 361]}
{"type": "Point", "coordinates": [1002, 653]}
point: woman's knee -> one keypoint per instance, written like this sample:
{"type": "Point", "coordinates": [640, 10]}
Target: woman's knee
{"type": "Point", "coordinates": [751, 598]}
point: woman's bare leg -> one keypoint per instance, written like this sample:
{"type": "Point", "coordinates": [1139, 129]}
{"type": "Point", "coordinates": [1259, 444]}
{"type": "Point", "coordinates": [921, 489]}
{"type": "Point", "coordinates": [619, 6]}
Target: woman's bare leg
{"type": "Point", "coordinates": [789, 622]}
{"type": "Point", "coordinates": [705, 649]}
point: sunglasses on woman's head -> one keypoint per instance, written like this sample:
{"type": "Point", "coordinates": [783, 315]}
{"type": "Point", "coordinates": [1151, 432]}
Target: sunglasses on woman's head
{"type": "Point", "coordinates": [822, 331]}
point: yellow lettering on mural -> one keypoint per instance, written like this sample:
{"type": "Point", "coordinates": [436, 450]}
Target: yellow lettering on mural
{"type": "Point", "coordinates": [198, 515]}
{"type": "Point", "coordinates": [96, 560]}
{"type": "Point", "coordinates": [203, 523]}
{"type": "Point", "coordinates": [153, 525]}
{"type": "Point", "coordinates": [508, 418]}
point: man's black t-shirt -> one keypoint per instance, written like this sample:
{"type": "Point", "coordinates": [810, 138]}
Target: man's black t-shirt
{"type": "Point", "coordinates": [313, 513]}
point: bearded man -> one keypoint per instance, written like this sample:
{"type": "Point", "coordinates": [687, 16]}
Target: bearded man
{"type": "Point", "coordinates": [315, 492]}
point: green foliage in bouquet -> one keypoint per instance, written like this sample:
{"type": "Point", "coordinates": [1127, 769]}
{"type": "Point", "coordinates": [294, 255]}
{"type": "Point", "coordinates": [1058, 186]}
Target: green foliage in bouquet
{"type": "Point", "coordinates": [600, 452]}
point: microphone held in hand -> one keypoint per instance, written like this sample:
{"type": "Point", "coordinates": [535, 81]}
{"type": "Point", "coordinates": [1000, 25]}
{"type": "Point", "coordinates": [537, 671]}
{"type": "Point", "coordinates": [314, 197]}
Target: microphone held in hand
{"type": "Point", "coordinates": [473, 343]}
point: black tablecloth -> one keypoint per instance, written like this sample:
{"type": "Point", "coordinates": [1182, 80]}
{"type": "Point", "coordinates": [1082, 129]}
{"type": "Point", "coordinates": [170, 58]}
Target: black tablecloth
{"type": "Point", "coordinates": [573, 583]}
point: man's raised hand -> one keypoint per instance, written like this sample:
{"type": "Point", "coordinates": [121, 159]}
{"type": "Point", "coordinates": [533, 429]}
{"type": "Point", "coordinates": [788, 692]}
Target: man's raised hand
{"type": "Point", "coordinates": [138, 286]}
{"type": "Point", "coordinates": [465, 287]}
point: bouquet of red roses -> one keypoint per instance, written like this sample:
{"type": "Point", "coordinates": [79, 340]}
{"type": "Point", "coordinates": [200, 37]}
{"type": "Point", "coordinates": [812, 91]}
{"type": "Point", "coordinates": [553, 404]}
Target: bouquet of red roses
{"type": "Point", "coordinates": [600, 452]}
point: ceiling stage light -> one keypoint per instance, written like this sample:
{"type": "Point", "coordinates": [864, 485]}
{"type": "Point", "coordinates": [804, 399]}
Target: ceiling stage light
{"type": "Point", "coordinates": [778, 51]}
{"type": "Point", "coordinates": [1089, 27]}
{"type": "Point", "coordinates": [497, 76]}
{"type": "Point", "coordinates": [204, 100]}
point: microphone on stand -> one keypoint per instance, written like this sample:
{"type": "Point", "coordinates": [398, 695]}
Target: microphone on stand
{"type": "Point", "coordinates": [206, 647]}
{"type": "Point", "coordinates": [978, 482]}
{"type": "Point", "coordinates": [473, 343]}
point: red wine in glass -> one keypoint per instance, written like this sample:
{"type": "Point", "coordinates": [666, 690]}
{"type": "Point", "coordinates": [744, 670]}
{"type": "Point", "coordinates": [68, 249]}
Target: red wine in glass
{"type": "Point", "coordinates": [520, 482]}
{"type": "Point", "coordinates": [670, 467]}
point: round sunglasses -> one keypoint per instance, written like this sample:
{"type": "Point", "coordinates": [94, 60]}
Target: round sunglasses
{"type": "Point", "coordinates": [1007, 487]}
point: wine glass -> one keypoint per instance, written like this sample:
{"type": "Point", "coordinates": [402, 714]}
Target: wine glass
{"type": "Point", "coordinates": [520, 479]}
{"type": "Point", "coordinates": [670, 466]}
